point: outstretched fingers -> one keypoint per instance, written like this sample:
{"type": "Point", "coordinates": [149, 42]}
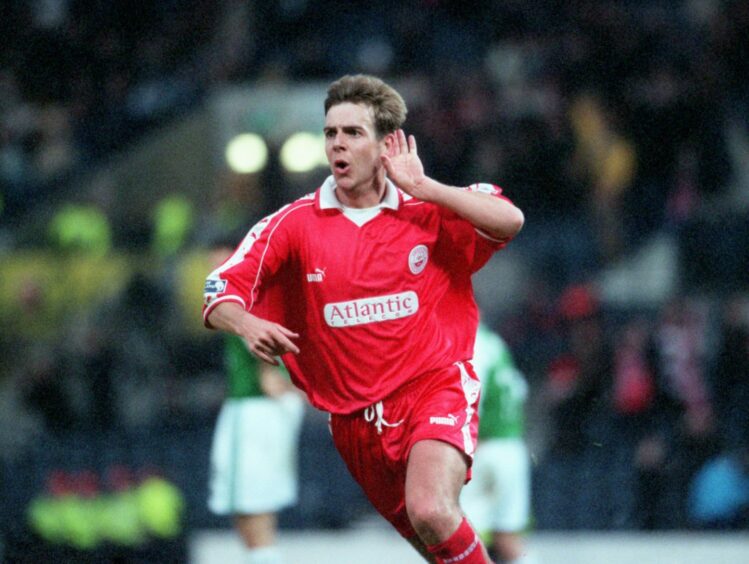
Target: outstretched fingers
{"type": "Point", "coordinates": [412, 144]}
{"type": "Point", "coordinates": [263, 349]}
{"type": "Point", "coordinates": [264, 355]}
{"type": "Point", "coordinates": [271, 341]}
{"type": "Point", "coordinates": [284, 342]}
{"type": "Point", "coordinates": [287, 332]}
{"type": "Point", "coordinates": [402, 142]}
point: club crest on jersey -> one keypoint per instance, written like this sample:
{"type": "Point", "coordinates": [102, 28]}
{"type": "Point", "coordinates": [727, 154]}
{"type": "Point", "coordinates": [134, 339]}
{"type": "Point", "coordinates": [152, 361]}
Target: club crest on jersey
{"type": "Point", "coordinates": [214, 286]}
{"type": "Point", "coordinates": [417, 259]}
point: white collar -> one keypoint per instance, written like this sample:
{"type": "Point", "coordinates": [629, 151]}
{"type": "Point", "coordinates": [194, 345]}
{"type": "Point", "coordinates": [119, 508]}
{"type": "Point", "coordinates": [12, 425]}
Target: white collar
{"type": "Point", "coordinates": [328, 199]}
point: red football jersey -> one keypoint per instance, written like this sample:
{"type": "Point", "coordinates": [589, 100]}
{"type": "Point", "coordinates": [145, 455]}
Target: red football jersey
{"type": "Point", "coordinates": [374, 305]}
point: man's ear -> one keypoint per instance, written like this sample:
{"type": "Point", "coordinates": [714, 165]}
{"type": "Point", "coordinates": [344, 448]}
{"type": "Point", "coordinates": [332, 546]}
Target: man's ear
{"type": "Point", "coordinates": [389, 140]}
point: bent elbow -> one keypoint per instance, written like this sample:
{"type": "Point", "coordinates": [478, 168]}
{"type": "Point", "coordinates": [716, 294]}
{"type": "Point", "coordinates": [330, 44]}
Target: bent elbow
{"type": "Point", "coordinates": [517, 221]}
{"type": "Point", "coordinates": [512, 223]}
{"type": "Point", "coordinates": [509, 225]}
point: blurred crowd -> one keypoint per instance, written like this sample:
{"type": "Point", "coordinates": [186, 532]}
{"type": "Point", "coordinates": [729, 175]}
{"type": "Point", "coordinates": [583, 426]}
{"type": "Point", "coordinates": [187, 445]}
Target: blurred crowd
{"type": "Point", "coordinates": [606, 122]}
{"type": "Point", "coordinates": [81, 80]}
{"type": "Point", "coordinates": [648, 399]}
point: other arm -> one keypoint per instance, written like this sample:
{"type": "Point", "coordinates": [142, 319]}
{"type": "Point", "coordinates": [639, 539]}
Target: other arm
{"type": "Point", "coordinates": [496, 217]}
{"type": "Point", "coordinates": [232, 289]}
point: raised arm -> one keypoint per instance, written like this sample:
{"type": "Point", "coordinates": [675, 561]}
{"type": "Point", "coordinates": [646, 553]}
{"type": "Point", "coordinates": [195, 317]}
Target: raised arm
{"type": "Point", "coordinates": [496, 217]}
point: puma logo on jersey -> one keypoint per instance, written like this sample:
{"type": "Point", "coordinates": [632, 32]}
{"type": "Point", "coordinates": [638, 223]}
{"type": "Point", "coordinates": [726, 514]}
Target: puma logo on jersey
{"type": "Point", "coordinates": [451, 420]}
{"type": "Point", "coordinates": [317, 276]}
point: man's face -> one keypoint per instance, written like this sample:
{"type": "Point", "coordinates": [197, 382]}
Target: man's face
{"type": "Point", "coordinates": [351, 145]}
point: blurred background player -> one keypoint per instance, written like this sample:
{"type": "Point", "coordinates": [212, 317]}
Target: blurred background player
{"type": "Point", "coordinates": [255, 444]}
{"type": "Point", "coordinates": [497, 499]}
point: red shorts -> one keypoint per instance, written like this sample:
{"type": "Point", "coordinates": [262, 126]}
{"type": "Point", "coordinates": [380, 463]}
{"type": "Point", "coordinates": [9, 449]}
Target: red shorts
{"type": "Point", "coordinates": [375, 442]}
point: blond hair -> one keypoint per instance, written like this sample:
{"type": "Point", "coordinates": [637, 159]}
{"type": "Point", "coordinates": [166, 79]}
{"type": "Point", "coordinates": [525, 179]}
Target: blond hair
{"type": "Point", "coordinates": [387, 105]}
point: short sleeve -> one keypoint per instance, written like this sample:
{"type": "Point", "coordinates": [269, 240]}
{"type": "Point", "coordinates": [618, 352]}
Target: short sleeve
{"type": "Point", "coordinates": [475, 246]}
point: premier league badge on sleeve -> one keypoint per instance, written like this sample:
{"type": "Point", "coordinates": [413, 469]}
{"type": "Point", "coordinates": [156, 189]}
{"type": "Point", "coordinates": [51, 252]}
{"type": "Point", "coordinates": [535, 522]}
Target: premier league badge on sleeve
{"type": "Point", "coordinates": [214, 286]}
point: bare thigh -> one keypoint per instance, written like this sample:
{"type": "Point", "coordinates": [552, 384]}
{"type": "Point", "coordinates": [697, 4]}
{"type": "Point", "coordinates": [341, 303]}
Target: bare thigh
{"type": "Point", "coordinates": [435, 475]}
